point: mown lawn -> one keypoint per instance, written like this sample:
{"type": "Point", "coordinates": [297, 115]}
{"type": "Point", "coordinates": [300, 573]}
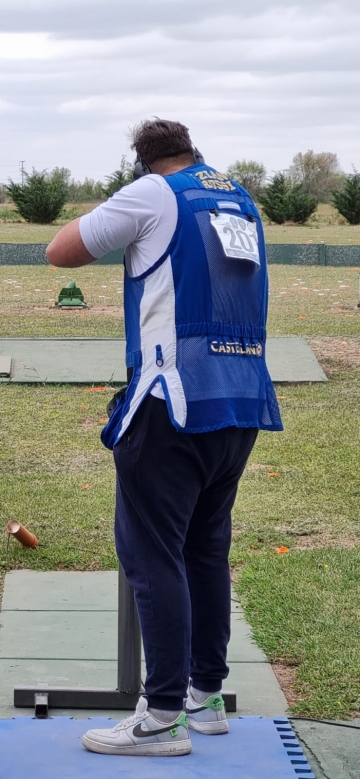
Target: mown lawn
{"type": "Point", "coordinates": [301, 489]}
{"type": "Point", "coordinates": [326, 225]}
{"type": "Point", "coordinates": [303, 301]}
{"type": "Point", "coordinates": [302, 492]}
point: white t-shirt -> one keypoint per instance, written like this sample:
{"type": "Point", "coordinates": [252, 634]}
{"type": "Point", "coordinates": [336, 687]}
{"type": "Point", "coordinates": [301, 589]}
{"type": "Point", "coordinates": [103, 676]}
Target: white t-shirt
{"type": "Point", "coordinates": [141, 218]}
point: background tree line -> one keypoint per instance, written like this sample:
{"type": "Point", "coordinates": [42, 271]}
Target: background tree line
{"type": "Point", "coordinates": [286, 196]}
{"type": "Point", "coordinates": [294, 194]}
{"type": "Point", "coordinates": [90, 190]}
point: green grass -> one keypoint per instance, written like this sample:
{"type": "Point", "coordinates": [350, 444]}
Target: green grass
{"type": "Point", "coordinates": [303, 606]}
{"type": "Point", "coordinates": [50, 450]}
{"type": "Point", "coordinates": [325, 226]}
{"type": "Point", "coordinates": [316, 493]}
{"type": "Point", "coordinates": [28, 295]}
{"type": "Point", "coordinates": [303, 301]}
{"type": "Point", "coordinates": [313, 301]}
{"type": "Point", "coordinates": [14, 229]}
{"type": "Point", "coordinates": [304, 609]}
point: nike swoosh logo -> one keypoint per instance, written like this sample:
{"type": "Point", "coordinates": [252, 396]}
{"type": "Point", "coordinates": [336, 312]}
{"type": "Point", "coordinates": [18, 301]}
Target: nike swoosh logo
{"type": "Point", "coordinates": [195, 711]}
{"type": "Point", "coordinates": [140, 733]}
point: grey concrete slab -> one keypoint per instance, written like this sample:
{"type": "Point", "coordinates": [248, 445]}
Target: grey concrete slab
{"type": "Point", "coordinates": [62, 361]}
{"type": "Point", "coordinates": [61, 628]}
{"type": "Point", "coordinates": [60, 591]}
{"type": "Point", "coordinates": [292, 360]}
{"type": "Point", "coordinates": [5, 366]}
{"type": "Point", "coordinates": [81, 635]}
{"type": "Point", "coordinates": [235, 605]}
{"type": "Point", "coordinates": [258, 692]}
{"type": "Point", "coordinates": [89, 635]}
{"type": "Point", "coordinates": [242, 647]}
{"type": "Point", "coordinates": [66, 591]}
{"type": "Point", "coordinates": [333, 752]}
{"type": "Point", "coordinates": [84, 599]}
{"type": "Point", "coordinates": [102, 360]}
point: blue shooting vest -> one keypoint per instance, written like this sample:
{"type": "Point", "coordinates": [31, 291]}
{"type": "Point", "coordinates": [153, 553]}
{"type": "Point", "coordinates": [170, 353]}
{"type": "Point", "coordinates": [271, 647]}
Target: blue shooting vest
{"type": "Point", "coordinates": [196, 320]}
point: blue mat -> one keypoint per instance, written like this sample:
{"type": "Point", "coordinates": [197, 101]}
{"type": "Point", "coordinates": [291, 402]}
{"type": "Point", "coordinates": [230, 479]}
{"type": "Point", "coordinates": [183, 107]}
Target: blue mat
{"type": "Point", "coordinates": [255, 748]}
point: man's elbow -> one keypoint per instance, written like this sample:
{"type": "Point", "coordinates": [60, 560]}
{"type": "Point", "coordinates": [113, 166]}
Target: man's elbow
{"type": "Point", "coordinates": [67, 249]}
{"type": "Point", "coordinates": [67, 257]}
{"type": "Point", "coordinates": [52, 256]}
{"type": "Point", "coordinates": [63, 258]}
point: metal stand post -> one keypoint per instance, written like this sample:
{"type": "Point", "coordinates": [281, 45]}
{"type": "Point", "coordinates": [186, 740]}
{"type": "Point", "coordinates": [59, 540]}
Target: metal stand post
{"type": "Point", "coordinates": [129, 639]}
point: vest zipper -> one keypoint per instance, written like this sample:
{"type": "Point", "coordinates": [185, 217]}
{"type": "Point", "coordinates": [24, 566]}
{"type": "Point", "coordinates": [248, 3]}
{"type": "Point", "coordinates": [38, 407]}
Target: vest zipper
{"type": "Point", "coordinates": [159, 356]}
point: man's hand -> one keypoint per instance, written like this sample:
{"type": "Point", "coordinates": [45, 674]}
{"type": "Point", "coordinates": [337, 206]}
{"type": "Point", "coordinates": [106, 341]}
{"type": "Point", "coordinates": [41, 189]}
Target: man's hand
{"type": "Point", "coordinates": [67, 249]}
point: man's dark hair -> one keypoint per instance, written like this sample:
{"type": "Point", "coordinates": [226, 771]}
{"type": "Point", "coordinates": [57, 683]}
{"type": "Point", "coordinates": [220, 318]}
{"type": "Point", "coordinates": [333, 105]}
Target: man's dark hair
{"type": "Point", "coordinates": [161, 138]}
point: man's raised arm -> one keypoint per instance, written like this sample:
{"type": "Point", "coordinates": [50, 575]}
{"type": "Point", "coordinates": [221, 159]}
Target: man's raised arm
{"type": "Point", "coordinates": [67, 249]}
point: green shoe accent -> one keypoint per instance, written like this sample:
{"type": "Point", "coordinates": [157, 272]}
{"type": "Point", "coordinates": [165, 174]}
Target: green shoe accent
{"type": "Point", "coordinates": [216, 703]}
{"type": "Point", "coordinates": [174, 732]}
{"type": "Point", "coordinates": [181, 720]}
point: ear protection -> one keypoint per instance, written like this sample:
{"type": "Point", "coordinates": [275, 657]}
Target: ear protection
{"type": "Point", "coordinates": [198, 157]}
{"type": "Point", "coordinates": [142, 169]}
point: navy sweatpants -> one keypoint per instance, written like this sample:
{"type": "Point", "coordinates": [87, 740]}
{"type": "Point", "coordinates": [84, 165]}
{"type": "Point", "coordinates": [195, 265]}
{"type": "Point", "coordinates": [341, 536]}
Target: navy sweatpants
{"type": "Point", "coordinates": [175, 492]}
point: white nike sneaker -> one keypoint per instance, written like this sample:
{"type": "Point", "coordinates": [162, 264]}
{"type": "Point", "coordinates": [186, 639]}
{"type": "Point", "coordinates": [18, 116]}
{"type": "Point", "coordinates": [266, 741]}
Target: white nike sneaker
{"type": "Point", "coordinates": [209, 717]}
{"type": "Point", "coordinates": [141, 734]}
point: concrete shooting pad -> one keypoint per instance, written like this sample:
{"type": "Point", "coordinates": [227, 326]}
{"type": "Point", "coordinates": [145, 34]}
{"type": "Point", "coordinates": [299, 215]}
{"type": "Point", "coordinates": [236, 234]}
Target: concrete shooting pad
{"type": "Point", "coordinates": [60, 628]}
{"type": "Point", "coordinates": [254, 748]}
{"type": "Point", "coordinates": [102, 360]}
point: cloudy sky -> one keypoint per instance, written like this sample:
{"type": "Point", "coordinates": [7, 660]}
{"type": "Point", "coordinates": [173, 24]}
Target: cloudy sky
{"type": "Point", "coordinates": [260, 80]}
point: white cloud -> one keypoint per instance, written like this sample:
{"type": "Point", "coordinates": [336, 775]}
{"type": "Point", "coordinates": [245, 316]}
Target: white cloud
{"type": "Point", "coordinates": [262, 81]}
{"type": "Point", "coordinates": [43, 46]}
{"type": "Point", "coordinates": [5, 106]}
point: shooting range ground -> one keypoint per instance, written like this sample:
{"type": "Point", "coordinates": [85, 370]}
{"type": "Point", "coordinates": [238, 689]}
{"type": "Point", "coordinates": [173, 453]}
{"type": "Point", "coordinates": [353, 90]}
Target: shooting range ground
{"type": "Point", "coordinates": [300, 490]}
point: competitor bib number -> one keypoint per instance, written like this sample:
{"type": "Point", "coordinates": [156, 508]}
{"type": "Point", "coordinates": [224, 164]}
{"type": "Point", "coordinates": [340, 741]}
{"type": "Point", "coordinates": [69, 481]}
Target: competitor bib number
{"type": "Point", "coordinates": [239, 237]}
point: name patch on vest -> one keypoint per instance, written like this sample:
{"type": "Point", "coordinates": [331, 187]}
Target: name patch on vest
{"type": "Point", "coordinates": [212, 180]}
{"type": "Point", "coordinates": [226, 347]}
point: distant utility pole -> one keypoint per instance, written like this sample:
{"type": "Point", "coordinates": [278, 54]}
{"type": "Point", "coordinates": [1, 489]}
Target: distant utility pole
{"type": "Point", "coordinates": [22, 169]}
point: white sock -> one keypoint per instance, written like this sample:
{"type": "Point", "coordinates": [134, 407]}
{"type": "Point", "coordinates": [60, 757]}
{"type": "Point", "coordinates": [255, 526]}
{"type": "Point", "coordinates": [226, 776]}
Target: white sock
{"type": "Point", "coordinates": [165, 716]}
{"type": "Point", "coordinates": [200, 696]}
